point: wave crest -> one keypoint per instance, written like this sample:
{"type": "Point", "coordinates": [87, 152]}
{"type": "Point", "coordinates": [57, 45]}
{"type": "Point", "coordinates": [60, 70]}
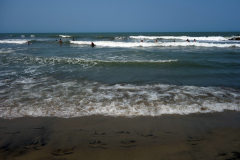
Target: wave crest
{"type": "Point", "coordinates": [65, 36]}
{"type": "Point", "coordinates": [211, 38]}
{"type": "Point", "coordinates": [13, 41]}
{"type": "Point", "coordinates": [151, 44]}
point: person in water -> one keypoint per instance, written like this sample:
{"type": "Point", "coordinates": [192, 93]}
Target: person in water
{"type": "Point", "coordinates": [92, 44]}
{"type": "Point", "coordinates": [194, 40]}
{"type": "Point", "coordinates": [155, 41]}
{"type": "Point", "coordinates": [60, 41]}
{"type": "Point", "coordinates": [28, 43]}
{"type": "Point", "coordinates": [142, 41]}
{"type": "Point", "coordinates": [187, 40]}
{"type": "Point", "coordinates": [73, 39]}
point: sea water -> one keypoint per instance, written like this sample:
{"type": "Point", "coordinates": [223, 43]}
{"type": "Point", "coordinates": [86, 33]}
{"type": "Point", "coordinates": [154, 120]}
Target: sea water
{"type": "Point", "coordinates": [120, 76]}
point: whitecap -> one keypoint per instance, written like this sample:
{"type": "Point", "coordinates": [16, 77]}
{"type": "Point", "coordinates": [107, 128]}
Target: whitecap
{"type": "Point", "coordinates": [16, 41]}
{"type": "Point", "coordinates": [210, 38]}
{"type": "Point", "coordinates": [151, 44]}
{"type": "Point", "coordinates": [65, 36]}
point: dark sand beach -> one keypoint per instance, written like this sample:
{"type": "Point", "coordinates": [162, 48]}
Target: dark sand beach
{"type": "Point", "coordinates": [194, 136]}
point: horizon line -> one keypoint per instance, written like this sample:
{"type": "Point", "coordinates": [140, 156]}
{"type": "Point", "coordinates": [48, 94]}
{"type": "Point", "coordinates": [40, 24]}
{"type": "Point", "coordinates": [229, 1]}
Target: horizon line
{"type": "Point", "coordinates": [128, 32]}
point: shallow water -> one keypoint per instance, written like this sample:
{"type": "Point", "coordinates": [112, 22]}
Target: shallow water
{"type": "Point", "coordinates": [120, 76]}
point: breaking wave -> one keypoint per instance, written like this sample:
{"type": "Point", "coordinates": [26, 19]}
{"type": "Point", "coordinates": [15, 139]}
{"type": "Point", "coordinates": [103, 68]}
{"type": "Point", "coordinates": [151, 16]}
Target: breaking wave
{"type": "Point", "coordinates": [75, 99]}
{"type": "Point", "coordinates": [13, 41]}
{"type": "Point", "coordinates": [151, 44]}
{"type": "Point", "coordinates": [213, 38]}
{"type": "Point", "coordinates": [65, 36]}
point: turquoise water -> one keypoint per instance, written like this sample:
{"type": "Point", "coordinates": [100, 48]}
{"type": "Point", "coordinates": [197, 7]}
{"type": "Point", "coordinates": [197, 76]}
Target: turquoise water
{"type": "Point", "coordinates": [120, 76]}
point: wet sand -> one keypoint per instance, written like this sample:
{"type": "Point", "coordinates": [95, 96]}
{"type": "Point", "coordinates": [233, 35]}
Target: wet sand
{"type": "Point", "coordinates": [194, 136]}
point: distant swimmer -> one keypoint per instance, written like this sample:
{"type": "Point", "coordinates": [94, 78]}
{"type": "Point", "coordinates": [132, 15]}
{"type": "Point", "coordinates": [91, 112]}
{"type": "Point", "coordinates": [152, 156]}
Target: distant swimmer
{"type": "Point", "coordinates": [187, 40]}
{"type": "Point", "coordinates": [73, 39]}
{"type": "Point", "coordinates": [60, 41]}
{"type": "Point", "coordinates": [142, 41]}
{"type": "Point", "coordinates": [194, 40]}
{"type": "Point", "coordinates": [155, 41]}
{"type": "Point", "coordinates": [28, 43]}
{"type": "Point", "coordinates": [92, 44]}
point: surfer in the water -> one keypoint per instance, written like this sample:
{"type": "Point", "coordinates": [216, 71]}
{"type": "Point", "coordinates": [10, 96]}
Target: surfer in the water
{"type": "Point", "coordinates": [92, 44]}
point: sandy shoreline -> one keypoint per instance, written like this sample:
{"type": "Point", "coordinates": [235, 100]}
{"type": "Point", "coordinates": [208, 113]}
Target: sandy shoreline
{"type": "Point", "coordinates": [194, 136]}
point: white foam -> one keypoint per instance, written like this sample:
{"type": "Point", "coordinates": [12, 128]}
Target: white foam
{"type": "Point", "coordinates": [7, 73]}
{"type": "Point", "coordinates": [210, 38]}
{"type": "Point", "coordinates": [32, 69]}
{"type": "Point", "coordinates": [64, 36]}
{"type": "Point", "coordinates": [120, 38]}
{"type": "Point", "coordinates": [197, 44]}
{"type": "Point", "coordinates": [6, 50]}
{"type": "Point", "coordinates": [55, 60]}
{"type": "Point", "coordinates": [152, 44]}
{"type": "Point", "coordinates": [13, 41]}
{"type": "Point", "coordinates": [23, 36]}
{"type": "Point", "coordinates": [74, 99]}
{"type": "Point", "coordinates": [24, 81]}
{"type": "Point", "coordinates": [115, 44]}
{"type": "Point", "coordinates": [32, 36]}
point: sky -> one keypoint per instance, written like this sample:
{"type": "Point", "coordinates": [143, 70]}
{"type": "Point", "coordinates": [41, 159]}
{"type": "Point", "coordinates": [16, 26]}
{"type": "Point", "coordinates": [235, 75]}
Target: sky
{"type": "Point", "coordinates": [47, 16]}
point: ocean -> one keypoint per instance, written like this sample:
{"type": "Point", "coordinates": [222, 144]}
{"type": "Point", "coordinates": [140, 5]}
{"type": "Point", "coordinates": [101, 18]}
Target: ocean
{"type": "Point", "coordinates": [120, 76]}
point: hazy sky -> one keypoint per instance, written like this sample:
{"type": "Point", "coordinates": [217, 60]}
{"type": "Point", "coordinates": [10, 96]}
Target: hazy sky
{"type": "Point", "coordinates": [119, 15]}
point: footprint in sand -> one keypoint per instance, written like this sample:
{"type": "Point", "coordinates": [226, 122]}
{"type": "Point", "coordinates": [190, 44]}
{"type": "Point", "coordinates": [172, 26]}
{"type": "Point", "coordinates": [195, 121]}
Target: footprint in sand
{"type": "Point", "coordinates": [194, 141]}
{"type": "Point", "coordinates": [61, 152]}
{"type": "Point", "coordinates": [147, 135]}
{"type": "Point", "coordinates": [30, 146]}
{"type": "Point", "coordinates": [34, 145]}
{"type": "Point", "coordinates": [79, 130]}
{"type": "Point", "coordinates": [41, 128]}
{"type": "Point", "coordinates": [98, 134]}
{"type": "Point", "coordinates": [12, 133]}
{"type": "Point", "coordinates": [122, 132]}
{"type": "Point", "coordinates": [128, 143]}
{"type": "Point", "coordinates": [98, 144]}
